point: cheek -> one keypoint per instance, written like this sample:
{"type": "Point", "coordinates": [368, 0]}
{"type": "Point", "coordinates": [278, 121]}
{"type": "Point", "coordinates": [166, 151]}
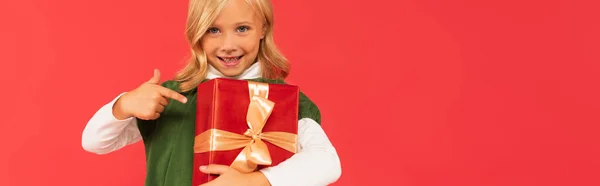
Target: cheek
{"type": "Point", "coordinates": [208, 46]}
{"type": "Point", "coordinates": [251, 45]}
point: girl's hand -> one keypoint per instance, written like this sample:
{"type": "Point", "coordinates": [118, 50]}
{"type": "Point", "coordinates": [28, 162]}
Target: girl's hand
{"type": "Point", "coordinates": [229, 176]}
{"type": "Point", "coordinates": [147, 101]}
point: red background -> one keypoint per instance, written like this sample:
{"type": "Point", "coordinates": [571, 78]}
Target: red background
{"type": "Point", "coordinates": [420, 93]}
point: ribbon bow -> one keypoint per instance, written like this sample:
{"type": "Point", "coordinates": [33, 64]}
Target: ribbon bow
{"type": "Point", "coordinates": [255, 150]}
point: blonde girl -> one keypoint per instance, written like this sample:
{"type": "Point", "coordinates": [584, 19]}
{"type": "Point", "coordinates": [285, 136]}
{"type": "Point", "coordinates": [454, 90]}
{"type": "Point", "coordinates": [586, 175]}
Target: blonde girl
{"type": "Point", "coordinates": [228, 39]}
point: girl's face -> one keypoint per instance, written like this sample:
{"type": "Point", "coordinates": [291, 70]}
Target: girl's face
{"type": "Point", "coordinates": [232, 42]}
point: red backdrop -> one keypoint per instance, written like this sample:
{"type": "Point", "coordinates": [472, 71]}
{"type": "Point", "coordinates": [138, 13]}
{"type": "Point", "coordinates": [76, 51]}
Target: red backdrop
{"type": "Point", "coordinates": [420, 93]}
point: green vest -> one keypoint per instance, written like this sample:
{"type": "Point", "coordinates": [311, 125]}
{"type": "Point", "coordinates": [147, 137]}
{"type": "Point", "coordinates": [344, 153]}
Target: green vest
{"type": "Point", "coordinates": [169, 140]}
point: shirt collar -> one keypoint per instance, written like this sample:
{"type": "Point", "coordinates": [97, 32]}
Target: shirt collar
{"type": "Point", "coordinates": [252, 72]}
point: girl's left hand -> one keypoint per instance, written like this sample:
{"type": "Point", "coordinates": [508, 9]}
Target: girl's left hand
{"type": "Point", "coordinates": [229, 176]}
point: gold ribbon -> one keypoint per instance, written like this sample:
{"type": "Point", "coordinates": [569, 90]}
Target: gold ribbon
{"type": "Point", "coordinates": [255, 151]}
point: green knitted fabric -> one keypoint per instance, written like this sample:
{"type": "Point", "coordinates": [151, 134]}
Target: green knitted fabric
{"type": "Point", "coordinates": [169, 140]}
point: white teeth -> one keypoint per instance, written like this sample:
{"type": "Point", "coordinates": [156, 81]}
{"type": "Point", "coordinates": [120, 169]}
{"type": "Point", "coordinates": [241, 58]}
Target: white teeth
{"type": "Point", "coordinates": [230, 59]}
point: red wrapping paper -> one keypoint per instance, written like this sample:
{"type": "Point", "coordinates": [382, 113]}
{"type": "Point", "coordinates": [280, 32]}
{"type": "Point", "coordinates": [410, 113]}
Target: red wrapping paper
{"type": "Point", "coordinates": [223, 104]}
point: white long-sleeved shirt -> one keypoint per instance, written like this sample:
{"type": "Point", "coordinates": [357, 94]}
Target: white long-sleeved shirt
{"type": "Point", "coordinates": [315, 164]}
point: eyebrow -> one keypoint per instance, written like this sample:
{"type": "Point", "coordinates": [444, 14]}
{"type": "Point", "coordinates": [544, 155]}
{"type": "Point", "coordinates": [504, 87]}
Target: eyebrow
{"type": "Point", "coordinates": [244, 22]}
{"type": "Point", "coordinates": [237, 24]}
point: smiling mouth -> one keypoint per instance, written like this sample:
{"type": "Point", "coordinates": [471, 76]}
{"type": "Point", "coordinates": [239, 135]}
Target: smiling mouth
{"type": "Point", "coordinates": [230, 59]}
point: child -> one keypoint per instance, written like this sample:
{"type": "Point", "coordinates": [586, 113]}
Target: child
{"type": "Point", "coordinates": [229, 39]}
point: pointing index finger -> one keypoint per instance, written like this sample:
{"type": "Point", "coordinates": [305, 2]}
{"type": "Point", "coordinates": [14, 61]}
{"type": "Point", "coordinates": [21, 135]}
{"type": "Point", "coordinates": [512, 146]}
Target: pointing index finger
{"type": "Point", "coordinates": [172, 94]}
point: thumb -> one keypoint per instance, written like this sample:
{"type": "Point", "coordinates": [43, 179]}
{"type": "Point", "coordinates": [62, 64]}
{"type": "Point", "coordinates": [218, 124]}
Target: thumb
{"type": "Point", "coordinates": [156, 78]}
{"type": "Point", "coordinates": [214, 169]}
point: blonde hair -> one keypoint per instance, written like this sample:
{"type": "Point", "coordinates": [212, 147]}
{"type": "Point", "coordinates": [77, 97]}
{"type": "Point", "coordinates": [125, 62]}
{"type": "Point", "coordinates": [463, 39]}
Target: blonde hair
{"type": "Point", "coordinates": [201, 15]}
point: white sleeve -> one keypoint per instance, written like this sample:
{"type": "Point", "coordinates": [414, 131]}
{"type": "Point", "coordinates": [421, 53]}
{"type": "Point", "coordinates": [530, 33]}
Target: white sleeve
{"type": "Point", "coordinates": [104, 133]}
{"type": "Point", "coordinates": [315, 164]}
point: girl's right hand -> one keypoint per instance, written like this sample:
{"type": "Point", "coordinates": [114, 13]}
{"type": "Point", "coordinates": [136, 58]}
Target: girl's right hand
{"type": "Point", "coordinates": [147, 101]}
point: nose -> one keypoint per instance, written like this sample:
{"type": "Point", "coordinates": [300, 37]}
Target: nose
{"type": "Point", "coordinates": [229, 44]}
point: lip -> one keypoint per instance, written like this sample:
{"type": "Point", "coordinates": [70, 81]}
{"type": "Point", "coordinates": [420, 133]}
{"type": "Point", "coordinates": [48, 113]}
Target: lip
{"type": "Point", "coordinates": [230, 64]}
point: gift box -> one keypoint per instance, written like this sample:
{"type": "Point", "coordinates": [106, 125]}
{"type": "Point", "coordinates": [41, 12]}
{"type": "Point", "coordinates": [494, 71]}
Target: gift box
{"type": "Point", "coordinates": [244, 124]}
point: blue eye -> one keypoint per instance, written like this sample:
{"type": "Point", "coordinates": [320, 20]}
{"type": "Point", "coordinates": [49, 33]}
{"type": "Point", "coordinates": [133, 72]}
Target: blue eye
{"type": "Point", "coordinates": [242, 29]}
{"type": "Point", "coordinates": [213, 30]}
